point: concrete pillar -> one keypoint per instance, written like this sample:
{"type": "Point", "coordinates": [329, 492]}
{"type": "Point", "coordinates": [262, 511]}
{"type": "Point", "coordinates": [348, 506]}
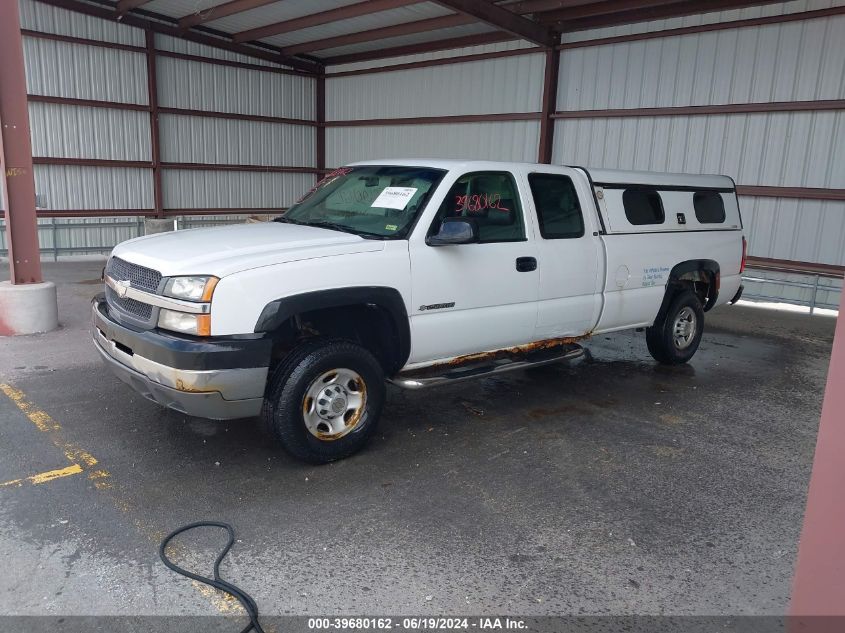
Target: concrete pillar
{"type": "Point", "coordinates": [26, 304]}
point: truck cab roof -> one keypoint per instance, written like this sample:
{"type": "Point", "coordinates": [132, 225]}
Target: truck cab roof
{"type": "Point", "coordinates": [599, 176]}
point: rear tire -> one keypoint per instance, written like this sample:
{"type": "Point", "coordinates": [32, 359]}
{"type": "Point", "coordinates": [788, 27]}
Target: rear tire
{"type": "Point", "coordinates": [674, 337]}
{"type": "Point", "coordinates": [323, 401]}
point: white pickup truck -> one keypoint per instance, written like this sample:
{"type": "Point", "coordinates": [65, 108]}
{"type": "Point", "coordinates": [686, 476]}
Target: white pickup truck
{"type": "Point", "coordinates": [419, 272]}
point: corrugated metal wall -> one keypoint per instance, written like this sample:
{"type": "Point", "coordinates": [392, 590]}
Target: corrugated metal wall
{"type": "Point", "coordinates": [495, 86]}
{"type": "Point", "coordinates": [77, 131]}
{"type": "Point", "coordinates": [510, 84]}
{"type": "Point", "coordinates": [510, 140]}
{"type": "Point", "coordinates": [793, 61]}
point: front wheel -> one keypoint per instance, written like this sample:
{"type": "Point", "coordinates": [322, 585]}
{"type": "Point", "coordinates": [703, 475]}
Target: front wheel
{"type": "Point", "coordinates": [324, 399]}
{"type": "Point", "coordinates": [674, 338]}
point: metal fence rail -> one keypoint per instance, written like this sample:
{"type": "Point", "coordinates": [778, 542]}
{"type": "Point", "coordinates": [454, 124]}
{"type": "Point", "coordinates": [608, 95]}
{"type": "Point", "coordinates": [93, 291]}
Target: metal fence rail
{"type": "Point", "coordinates": [807, 299]}
{"type": "Point", "coordinates": [54, 233]}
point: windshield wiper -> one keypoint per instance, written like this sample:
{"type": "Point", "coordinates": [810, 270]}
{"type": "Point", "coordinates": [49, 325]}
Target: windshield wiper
{"type": "Point", "coordinates": [282, 218]}
{"type": "Point", "coordinates": [335, 226]}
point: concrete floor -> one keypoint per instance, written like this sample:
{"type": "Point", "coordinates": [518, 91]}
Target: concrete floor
{"type": "Point", "coordinates": [611, 485]}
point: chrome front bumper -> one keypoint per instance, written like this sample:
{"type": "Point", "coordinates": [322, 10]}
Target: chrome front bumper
{"type": "Point", "coordinates": [219, 393]}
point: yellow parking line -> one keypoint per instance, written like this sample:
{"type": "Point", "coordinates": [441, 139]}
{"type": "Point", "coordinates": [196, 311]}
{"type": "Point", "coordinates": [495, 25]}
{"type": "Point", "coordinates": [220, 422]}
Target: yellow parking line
{"type": "Point", "coordinates": [41, 478]}
{"type": "Point", "coordinates": [46, 424]}
{"type": "Point", "coordinates": [39, 418]}
{"type": "Point", "coordinates": [84, 461]}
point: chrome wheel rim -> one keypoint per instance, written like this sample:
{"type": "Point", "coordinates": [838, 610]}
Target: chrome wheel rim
{"type": "Point", "coordinates": [683, 330]}
{"type": "Point", "coordinates": [334, 404]}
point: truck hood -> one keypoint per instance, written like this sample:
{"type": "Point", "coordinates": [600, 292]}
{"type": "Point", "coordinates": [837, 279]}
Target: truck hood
{"type": "Point", "coordinates": [224, 250]}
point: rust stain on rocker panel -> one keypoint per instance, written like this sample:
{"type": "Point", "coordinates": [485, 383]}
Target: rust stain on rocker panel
{"type": "Point", "coordinates": [516, 354]}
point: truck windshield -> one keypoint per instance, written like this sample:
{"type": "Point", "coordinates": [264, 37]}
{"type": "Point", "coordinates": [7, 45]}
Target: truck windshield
{"type": "Point", "coordinates": [372, 201]}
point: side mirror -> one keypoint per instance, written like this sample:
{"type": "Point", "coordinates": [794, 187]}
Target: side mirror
{"type": "Point", "coordinates": [454, 231]}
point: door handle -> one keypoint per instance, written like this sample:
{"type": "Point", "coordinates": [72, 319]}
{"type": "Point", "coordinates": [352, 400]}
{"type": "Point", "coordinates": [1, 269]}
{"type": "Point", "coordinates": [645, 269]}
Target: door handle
{"type": "Point", "coordinates": [526, 264]}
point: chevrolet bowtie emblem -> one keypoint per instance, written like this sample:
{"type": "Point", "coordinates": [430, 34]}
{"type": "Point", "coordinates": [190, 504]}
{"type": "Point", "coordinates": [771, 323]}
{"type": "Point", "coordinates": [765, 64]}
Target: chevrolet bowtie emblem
{"type": "Point", "coordinates": [121, 287]}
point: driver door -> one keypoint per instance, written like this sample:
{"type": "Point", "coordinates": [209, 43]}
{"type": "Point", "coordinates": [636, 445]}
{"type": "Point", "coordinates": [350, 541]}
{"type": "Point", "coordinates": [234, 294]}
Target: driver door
{"type": "Point", "coordinates": [470, 298]}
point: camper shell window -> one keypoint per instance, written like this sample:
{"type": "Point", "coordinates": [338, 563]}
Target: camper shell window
{"type": "Point", "coordinates": [643, 206]}
{"type": "Point", "coordinates": [709, 207]}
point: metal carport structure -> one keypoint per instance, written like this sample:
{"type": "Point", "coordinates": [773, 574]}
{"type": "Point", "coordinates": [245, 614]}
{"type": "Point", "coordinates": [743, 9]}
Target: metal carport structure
{"type": "Point", "coordinates": [580, 77]}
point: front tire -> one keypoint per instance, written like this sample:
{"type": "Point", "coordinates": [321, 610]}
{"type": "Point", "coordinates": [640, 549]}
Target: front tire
{"type": "Point", "coordinates": [674, 337]}
{"type": "Point", "coordinates": [324, 400]}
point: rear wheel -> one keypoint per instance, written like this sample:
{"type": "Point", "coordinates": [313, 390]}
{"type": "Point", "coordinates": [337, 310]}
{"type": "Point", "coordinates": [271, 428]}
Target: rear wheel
{"type": "Point", "coordinates": [324, 399]}
{"type": "Point", "coordinates": [674, 338]}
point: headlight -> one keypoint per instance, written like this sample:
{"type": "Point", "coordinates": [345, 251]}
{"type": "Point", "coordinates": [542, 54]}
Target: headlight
{"type": "Point", "coordinates": [198, 324]}
{"type": "Point", "coordinates": [191, 288]}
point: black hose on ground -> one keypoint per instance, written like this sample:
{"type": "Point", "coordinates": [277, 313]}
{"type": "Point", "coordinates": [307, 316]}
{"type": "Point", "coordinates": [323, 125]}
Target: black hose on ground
{"type": "Point", "coordinates": [242, 596]}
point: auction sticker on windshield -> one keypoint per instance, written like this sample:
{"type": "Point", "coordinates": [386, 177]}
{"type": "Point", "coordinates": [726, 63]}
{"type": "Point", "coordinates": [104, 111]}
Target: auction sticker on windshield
{"type": "Point", "coordinates": [394, 197]}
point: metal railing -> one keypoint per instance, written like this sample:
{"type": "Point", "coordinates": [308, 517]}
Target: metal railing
{"type": "Point", "coordinates": [136, 226]}
{"type": "Point", "coordinates": [807, 299]}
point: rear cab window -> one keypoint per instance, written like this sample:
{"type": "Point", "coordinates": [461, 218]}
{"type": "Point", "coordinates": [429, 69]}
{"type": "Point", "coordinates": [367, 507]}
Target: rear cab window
{"type": "Point", "coordinates": [558, 210]}
{"type": "Point", "coordinates": [492, 200]}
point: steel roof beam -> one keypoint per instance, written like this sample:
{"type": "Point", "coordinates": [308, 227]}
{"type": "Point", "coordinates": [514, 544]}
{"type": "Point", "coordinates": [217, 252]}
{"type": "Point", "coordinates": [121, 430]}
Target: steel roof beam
{"type": "Point", "coordinates": [503, 20]}
{"type": "Point", "coordinates": [587, 10]}
{"type": "Point", "coordinates": [423, 47]}
{"type": "Point", "coordinates": [127, 5]}
{"type": "Point", "coordinates": [201, 16]}
{"type": "Point", "coordinates": [563, 19]}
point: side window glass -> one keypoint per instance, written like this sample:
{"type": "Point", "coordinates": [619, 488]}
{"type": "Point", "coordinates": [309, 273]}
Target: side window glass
{"type": "Point", "coordinates": [709, 207]}
{"type": "Point", "coordinates": [492, 200]}
{"type": "Point", "coordinates": [558, 209]}
{"type": "Point", "coordinates": [643, 206]}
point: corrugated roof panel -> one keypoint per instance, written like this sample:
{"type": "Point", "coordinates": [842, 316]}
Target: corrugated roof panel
{"type": "Point", "coordinates": [180, 8]}
{"type": "Point", "coordinates": [500, 140]}
{"type": "Point", "coordinates": [187, 47]}
{"type": "Point", "coordinates": [75, 187]}
{"type": "Point", "coordinates": [510, 84]}
{"type": "Point", "coordinates": [416, 38]}
{"type": "Point", "coordinates": [275, 12]}
{"type": "Point", "coordinates": [412, 13]}
{"type": "Point", "coordinates": [712, 17]}
{"type": "Point", "coordinates": [37, 16]}
{"type": "Point", "coordinates": [62, 69]}
{"type": "Point", "coordinates": [66, 131]}
{"type": "Point", "coordinates": [189, 189]}
{"type": "Point", "coordinates": [186, 139]}
{"type": "Point", "coordinates": [203, 86]}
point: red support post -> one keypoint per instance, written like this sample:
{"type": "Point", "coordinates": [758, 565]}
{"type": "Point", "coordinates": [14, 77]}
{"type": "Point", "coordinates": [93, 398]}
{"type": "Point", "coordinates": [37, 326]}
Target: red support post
{"type": "Point", "coordinates": [320, 111]}
{"type": "Point", "coordinates": [819, 583]}
{"type": "Point", "coordinates": [16, 153]}
{"type": "Point", "coordinates": [547, 122]}
{"type": "Point", "coordinates": [155, 147]}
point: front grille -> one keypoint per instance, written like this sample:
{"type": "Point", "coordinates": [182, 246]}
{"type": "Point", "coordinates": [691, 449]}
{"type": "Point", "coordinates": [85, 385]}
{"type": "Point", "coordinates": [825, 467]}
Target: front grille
{"type": "Point", "coordinates": [139, 277]}
{"type": "Point", "coordinates": [142, 311]}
